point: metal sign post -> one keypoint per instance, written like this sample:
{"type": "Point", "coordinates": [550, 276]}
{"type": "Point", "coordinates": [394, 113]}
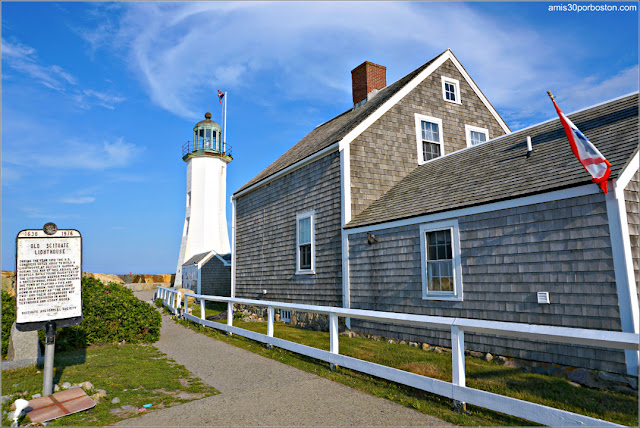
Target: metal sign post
{"type": "Point", "coordinates": [48, 286]}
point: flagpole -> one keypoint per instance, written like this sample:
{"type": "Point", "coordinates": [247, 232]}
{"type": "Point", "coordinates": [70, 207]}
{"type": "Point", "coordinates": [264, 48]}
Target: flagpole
{"type": "Point", "coordinates": [551, 95]}
{"type": "Point", "coordinates": [224, 138]}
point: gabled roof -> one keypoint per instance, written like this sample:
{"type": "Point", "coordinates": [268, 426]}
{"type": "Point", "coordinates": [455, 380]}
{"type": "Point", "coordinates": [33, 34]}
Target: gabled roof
{"type": "Point", "coordinates": [194, 260]}
{"type": "Point", "coordinates": [334, 130]}
{"type": "Point", "coordinates": [204, 258]}
{"type": "Point", "coordinates": [500, 169]}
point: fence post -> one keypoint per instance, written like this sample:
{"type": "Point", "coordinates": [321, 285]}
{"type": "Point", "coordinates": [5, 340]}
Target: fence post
{"type": "Point", "coordinates": [270, 317]}
{"type": "Point", "coordinates": [230, 315]}
{"type": "Point", "coordinates": [457, 362]}
{"type": "Point", "coordinates": [178, 302]}
{"type": "Point", "coordinates": [186, 305]}
{"type": "Point", "coordinates": [333, 336]}
{"type": "Point", "coordinates": [201, 308]}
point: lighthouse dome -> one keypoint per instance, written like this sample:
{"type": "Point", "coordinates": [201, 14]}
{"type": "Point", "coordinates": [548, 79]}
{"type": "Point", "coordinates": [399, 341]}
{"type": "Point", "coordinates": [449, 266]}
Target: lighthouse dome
{"type": "Point", "coordinates": [207, 123]}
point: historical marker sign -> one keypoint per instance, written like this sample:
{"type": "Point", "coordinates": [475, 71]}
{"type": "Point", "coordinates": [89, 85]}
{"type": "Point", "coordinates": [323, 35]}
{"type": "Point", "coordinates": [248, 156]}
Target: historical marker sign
{"type": "Point", "coordinates": [48, 278]}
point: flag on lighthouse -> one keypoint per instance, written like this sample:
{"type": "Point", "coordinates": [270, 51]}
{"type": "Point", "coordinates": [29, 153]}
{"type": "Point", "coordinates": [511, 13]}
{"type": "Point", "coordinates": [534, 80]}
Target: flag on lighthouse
{"type": "Point", "coordinates": [588, 155]}
{"type": "Point", "coordinates": [220, 96]}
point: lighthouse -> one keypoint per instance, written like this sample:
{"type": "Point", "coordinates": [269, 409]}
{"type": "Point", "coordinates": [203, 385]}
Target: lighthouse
{"type": "Point", "coordinates": [205, 220]}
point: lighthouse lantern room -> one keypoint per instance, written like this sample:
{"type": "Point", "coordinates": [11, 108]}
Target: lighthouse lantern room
{"type": "Point", "coordinates": [205, 222]}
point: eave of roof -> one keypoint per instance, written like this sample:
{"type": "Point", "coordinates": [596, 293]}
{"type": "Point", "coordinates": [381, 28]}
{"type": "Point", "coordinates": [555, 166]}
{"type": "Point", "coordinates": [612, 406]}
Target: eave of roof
{"type": "Point", "coordinates": [500, 169]}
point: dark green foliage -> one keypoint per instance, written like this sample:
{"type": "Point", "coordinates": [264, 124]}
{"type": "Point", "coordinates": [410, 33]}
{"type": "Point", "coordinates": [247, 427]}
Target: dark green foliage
{"type": "Point", "coordinates": [111, 314]}
{"type": "Point", "coordinates": [8, 317]}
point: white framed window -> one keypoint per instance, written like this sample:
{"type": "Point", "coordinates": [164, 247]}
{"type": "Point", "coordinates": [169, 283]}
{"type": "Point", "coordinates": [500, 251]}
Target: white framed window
{"type": "Point", "coordinates": [285, 315]}
{"type": "Point", "coordinates": [305, 243]}
{"type": "Point", "coordinates": [441, 263]}
{"type": "Point", "coordinates": [429, 138]}
{"type": "Point", "coordinates": [451, 90]}
{"type": "Point", "coordinates": [476, 135]}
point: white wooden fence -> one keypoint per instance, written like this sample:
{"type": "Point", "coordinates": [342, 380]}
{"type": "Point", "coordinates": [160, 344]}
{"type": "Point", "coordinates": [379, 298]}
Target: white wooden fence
{"type": "Point", "coordinates": [456, 389]}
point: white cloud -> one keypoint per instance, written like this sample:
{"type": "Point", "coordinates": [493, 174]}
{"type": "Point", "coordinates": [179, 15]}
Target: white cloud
{"type": "Point", "coordinates": [24, 60]}
{"type": "Point", "coordinates": [75, 155]}
{"type": "Point", "coordinates": [303, 51]}
{"type": "Point", "coordinates": [79, 200]}
{"type": "Point", "coordinates": [88, 97]}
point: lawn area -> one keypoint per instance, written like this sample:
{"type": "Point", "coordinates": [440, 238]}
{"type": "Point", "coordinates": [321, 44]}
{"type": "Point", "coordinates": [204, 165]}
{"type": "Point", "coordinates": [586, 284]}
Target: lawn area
{"type": "Point", "coordinates": [136, 374]}
{"type": "Point", "coordinates": [488, 376]}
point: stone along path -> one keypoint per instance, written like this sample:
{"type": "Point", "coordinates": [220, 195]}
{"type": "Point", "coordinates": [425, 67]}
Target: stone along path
{"type": "Point", "coordinates": [258, 391]}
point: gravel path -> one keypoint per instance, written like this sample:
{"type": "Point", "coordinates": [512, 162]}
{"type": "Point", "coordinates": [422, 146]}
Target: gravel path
{"type": "Point", "coordinates": [258, 391]}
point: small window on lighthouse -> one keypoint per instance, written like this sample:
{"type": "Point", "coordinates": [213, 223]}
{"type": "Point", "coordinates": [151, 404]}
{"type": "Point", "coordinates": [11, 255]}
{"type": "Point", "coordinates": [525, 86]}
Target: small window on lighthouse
{"type": "Point", "coordinates": [188, 199]}
{"type": "Point", "coordinates": [208, 141]}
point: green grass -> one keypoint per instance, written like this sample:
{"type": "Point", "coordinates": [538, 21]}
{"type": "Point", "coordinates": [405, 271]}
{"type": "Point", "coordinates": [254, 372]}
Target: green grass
{"type": "Point", "coordinates": [488, 376]}
{"type": "Point", "coordinates": [210, 308]}
{"type": "Point", "coordinates": [137, 374]}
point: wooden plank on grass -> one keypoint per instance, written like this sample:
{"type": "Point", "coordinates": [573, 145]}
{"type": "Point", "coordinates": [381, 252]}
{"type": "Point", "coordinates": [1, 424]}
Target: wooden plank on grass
{"type": "Point", "coordinates": [57, 405]}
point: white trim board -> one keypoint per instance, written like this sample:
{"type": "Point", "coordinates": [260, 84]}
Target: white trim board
{"type": "Point", "coordinates": [623, 267]}
{"type": "Point", "coordinates": [627, 174]}
{"type": "Point", "coordinates": [572, 192]}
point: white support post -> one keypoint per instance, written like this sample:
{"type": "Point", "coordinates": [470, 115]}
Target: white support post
{"type": "Point", "coordinates": [230, 314]}
{"type": "Point", "coordinates": [201, 308]}
{"type": "Point", "coordinates": [186, 304]}
{"type": "Point", "coordinates": [270, 316]}
{"type": "Point", "coordinates": [333, 333]}
{"type": "Point", "coordinates": [178, 301]}
{"type": "Point", "coordinates": [623, 267]}
{"type": "Point", "coordinates": [457, 361]}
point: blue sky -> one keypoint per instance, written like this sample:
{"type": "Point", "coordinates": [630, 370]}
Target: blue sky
{"type": "Point", "coordinates": [98, 98]}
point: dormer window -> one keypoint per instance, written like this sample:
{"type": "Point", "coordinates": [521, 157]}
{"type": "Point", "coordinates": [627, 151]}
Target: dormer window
{"type": "Point", "coordinates": [428, 138]}
{"type": "Point", "coordinates": [451, 90]}
{"type": "Point", "coordinates": [476, 135]}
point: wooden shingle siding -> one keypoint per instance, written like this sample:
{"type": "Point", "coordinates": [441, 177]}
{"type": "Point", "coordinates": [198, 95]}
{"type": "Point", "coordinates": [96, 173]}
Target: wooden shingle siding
{"type": "Point", "coordinates": [387, 151]}
{"type": "Point", "coordinates": [562, 247]}
{"type": "Point", "coordinates": [266, 236]}
{"type": "Point", "coordinates": [633, 219]}
{"type": "Point", "coordinates": [215, 278]}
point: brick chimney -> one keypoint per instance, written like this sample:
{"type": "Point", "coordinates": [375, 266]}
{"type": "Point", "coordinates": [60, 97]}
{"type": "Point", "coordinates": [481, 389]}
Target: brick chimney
{"type": "Point", "coordinates": [365, 78]}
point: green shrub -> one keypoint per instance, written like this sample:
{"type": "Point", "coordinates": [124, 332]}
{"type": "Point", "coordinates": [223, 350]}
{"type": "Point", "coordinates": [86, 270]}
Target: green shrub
{"type": "Point", "coordinates": [8, 317]}
{"type": "Point", "coordinates": [158, 302]}
{"type": "Point", "coordinates": [111, 314]}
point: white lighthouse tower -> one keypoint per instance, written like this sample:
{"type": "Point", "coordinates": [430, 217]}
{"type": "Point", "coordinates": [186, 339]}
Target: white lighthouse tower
{"type": "Point", "coordinates": [205, 221]}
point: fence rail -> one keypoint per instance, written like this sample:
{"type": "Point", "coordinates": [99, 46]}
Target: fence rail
{"type": "Point", "coordinates": [456, 390]}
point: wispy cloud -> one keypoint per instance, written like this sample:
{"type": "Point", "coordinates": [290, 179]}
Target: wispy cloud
{"type": "Point", "coordinates": [183, 52]}
{"type": "Point", "coordinates": [24, 60]}
{"type": "Point", "coordinates": [79, 200]}
{"type": "Point", "coordinates": [75, 155]}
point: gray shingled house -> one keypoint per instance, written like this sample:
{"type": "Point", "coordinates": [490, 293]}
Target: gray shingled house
{"type": "Point", "coordinates": [420, 200]}
{"type": "Point", "coordinates": [208, 273]}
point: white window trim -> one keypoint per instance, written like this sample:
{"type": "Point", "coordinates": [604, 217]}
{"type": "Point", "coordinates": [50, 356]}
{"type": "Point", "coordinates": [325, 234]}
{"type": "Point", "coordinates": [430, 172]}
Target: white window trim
{"type": "Point", "coordinates": [469, 128]}
{"type": "Point", "coordinates": [454, 82]}
{"type": "Point", "coordinates": [418, 119]}
{"type": "Point", "coordinates": [457, 262]}
{"type": "Point", "coordinates": [312, 216]}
